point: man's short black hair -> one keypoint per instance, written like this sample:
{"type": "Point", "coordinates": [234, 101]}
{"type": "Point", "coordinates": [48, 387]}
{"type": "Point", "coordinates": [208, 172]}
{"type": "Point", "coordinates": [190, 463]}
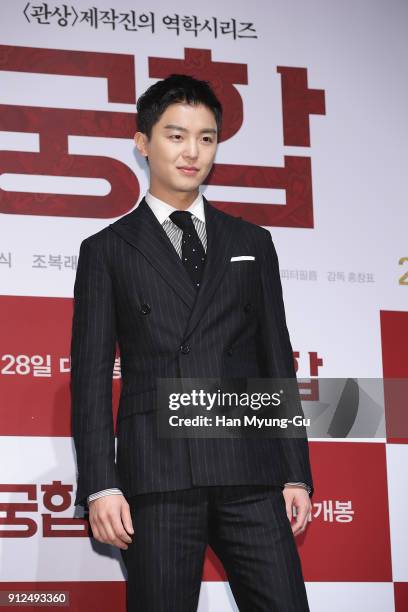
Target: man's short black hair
{"type": "Point", "coordinates": [175, 88]}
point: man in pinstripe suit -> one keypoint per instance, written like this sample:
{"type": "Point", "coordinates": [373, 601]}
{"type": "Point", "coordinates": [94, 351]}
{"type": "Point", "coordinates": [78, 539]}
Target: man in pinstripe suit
{"type": "Point", "coordinates": [160, 500]}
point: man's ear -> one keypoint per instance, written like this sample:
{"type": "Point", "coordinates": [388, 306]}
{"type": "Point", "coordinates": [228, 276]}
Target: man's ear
{"type": "Point", "coordinates": [140, 142]}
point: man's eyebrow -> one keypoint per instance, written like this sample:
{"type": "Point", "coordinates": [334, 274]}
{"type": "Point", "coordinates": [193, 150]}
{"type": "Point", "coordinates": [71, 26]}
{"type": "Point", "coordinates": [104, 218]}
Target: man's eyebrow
{"type": "Point", "coordinates": [172, 126]}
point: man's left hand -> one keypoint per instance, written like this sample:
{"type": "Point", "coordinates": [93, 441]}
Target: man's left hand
{"type": "Point", "coordinates": [299, 498]}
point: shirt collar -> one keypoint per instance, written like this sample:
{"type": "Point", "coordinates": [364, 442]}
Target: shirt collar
{"type": "Point", "coordinates": [162, 210]}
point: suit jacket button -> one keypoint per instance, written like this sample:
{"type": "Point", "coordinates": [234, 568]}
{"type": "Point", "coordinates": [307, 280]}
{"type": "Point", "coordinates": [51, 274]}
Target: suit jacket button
{"type": "Point", "coordinates": [185, 348]}
{"type": "Point", "coordinates": [248, 307]}
{"type": "Point", "coordinates": [145, 309]}
{"type": "Point", "coordinates": [230, 351]}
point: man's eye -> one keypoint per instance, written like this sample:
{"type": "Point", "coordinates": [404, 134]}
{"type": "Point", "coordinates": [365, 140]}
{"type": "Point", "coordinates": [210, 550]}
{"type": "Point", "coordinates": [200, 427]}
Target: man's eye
{"type": "Point", "coordinates": [208, 139]}
{"type": "Point", "coordinates": [176, 136]}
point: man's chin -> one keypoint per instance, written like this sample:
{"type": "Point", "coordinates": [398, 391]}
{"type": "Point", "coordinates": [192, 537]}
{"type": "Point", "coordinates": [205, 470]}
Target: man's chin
{"type": "Point", "coordinates": [186, 186]}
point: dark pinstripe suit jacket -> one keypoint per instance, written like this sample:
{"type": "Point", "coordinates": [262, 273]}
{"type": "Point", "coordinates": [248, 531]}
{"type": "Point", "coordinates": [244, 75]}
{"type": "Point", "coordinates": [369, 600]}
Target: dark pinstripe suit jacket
{"type": "Point", "coordinates": [132, 288]}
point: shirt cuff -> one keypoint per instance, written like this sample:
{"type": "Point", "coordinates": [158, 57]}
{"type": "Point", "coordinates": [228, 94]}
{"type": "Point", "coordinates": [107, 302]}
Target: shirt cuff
{"type": "Point", "coordinates": [300, 484]}
{"type": "Point", "coordinates": [113, 491]}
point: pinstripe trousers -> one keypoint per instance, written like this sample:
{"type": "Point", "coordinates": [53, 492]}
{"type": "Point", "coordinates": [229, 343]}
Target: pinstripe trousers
{"type": "Point", "coordinates": [247, 528]}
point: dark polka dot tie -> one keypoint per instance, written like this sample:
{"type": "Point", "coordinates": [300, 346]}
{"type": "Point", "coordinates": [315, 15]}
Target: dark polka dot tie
{"type": "Point", "coordinates": [192, 250]}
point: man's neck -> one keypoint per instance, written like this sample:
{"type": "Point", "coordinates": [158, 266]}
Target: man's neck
{"type": "Point", "coordinates": [180, 200]}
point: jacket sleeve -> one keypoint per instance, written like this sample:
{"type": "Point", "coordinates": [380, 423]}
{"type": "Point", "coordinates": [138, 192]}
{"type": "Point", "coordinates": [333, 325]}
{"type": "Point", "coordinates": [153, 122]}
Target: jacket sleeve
{"type": "Point", "coordinates": [93, 347]}
{"type": "Point", "coordinates": [278, 360]}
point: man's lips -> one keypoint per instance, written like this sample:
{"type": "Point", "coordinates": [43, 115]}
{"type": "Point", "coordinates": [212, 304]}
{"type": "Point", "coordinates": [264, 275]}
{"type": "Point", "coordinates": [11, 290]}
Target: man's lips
{"type": "Point", "coordinates": [190, 170]}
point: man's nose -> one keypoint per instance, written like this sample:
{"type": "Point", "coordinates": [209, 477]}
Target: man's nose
{"type": "Point", "coordinates": [191, 149]}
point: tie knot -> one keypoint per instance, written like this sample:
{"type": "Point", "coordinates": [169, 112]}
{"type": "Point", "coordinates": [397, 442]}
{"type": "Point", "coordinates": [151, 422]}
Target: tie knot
{"type": "Point", "coordinates": [182, 218]}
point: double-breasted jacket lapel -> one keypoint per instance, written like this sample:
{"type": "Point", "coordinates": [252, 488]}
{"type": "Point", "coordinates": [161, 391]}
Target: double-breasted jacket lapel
{"type": "Point", "coordinates": [142, 230]}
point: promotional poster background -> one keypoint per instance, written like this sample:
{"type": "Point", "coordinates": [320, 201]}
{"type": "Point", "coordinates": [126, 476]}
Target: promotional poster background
{"type": "Point", "coordinates": [337, 218]}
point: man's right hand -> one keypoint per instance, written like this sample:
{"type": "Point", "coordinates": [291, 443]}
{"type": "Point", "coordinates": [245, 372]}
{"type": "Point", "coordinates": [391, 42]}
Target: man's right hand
{"type": "Point", "coordinates": [110, 520]}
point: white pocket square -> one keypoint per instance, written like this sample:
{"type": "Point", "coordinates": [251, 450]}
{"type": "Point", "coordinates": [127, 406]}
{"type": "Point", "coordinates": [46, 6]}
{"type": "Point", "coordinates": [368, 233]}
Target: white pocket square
{"type": "Point", "coordinates": [242, 257]}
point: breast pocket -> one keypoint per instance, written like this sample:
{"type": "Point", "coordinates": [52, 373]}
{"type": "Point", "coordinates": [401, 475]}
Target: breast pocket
{"type": "Point", "coordinates": [242, 275]}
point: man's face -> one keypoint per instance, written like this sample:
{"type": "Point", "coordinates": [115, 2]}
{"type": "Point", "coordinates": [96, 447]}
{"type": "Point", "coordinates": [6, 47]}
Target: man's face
{"type": "Point", "coordinates": [181, 149]}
